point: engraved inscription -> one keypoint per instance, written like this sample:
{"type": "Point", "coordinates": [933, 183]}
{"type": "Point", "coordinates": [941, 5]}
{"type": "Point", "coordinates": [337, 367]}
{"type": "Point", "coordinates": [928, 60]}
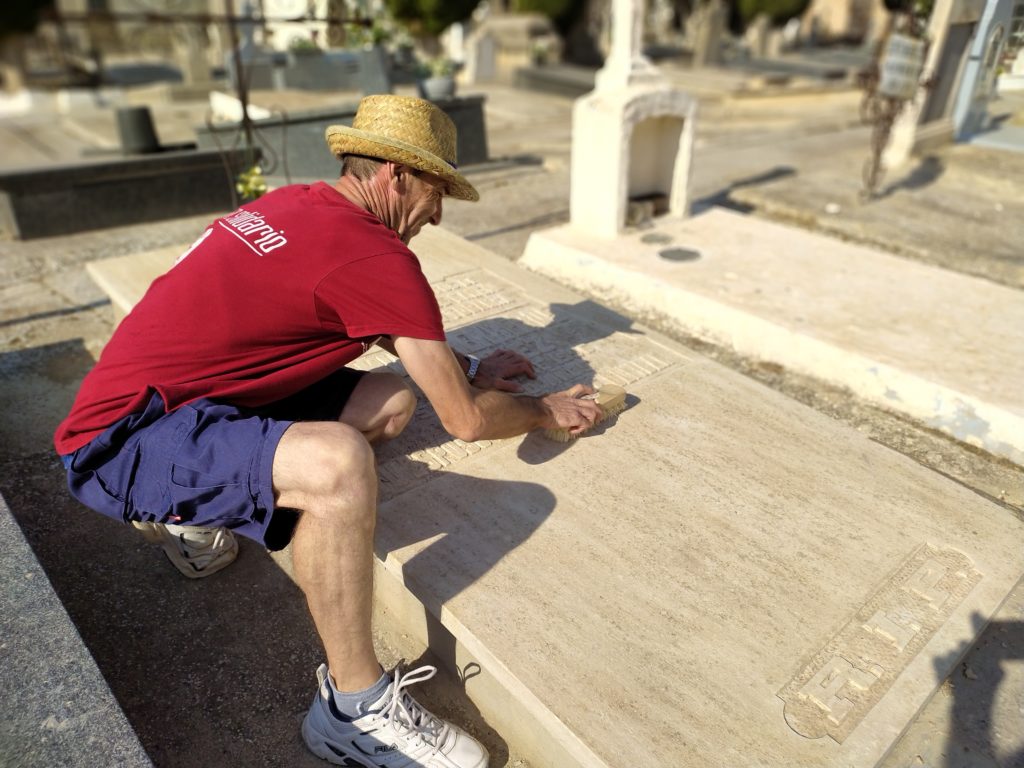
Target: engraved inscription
{"type": "Point", "coordinates": [850, 675]}
{"type": "Point", "coordinates": [564, 349]}
{"type": "Point", "coordinates": [462, 297]}
{"type": "Point", "coordinates": [924, 583]}
{"type": "Point", "coordinates": [836, 686]}
{"type": "Point", "coordinates": [898, 627]}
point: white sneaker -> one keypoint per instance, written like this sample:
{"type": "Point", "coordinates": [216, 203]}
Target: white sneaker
{"type": "Point", "coordinates": [395, 732]}
{"type": "Point", "coordinates": [196, 552]}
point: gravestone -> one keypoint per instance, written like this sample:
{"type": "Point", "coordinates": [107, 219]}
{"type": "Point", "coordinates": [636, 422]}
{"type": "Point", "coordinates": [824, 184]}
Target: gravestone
{"type": "Point", "coordinates": [58, 200]}
{"type": "Point", "coordinates": [298, 139]}
{"type": "Point", "coordinates": [927, 121]}
{"type": "Point", "coordinates": [481, 61]}
{"type": "Point", "coordinates": [374, 71]}
{"type": "Point", "coordinates": [983, 78]}
{"type": "Point", "coordinates": [190, 55]}
{"type": "Point", "coordinates": [632, 138]}
{"type": "Point", "coordinates": [709, 26]}
{"type": "Point", "coordinates": [756, 36]}
{"type": "Point", "coordinates": [506, 42]}
{"type": "Point", "coordinates": [725, 574]}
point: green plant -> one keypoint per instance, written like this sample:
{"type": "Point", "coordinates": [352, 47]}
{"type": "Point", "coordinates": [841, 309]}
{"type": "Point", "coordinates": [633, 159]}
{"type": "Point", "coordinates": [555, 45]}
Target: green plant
{"type": "Point", "coordinates": [439, 66]}
{"type": "Point", "coordinates": [302, 44]}
{"type": "Point", "coordinates": [251, 184]}
{"type": "Point", "coordinates": [378, 33]}
{"type": "Point", "coordinates": [553, 9]}
{"type": "Point", "coordinates": [431, 17]}
{"type": "Point", "coordinates": [779, 11]}
{"type": "Point", "coordinates": [540, 51]}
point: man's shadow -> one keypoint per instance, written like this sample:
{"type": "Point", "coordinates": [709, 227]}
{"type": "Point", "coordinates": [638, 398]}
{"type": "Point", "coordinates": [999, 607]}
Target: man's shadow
{"type": "Point", "coordinates": [970, 741]}
{"type": "Point", "coordinates": [553, 350]}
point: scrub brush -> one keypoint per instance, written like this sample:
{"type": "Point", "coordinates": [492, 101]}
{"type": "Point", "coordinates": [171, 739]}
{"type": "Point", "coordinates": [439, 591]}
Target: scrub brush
{"type": "Point", "coordinates": [610, 399]}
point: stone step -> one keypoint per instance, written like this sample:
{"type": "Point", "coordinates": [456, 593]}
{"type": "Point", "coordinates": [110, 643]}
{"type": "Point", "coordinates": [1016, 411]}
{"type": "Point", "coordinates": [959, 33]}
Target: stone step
{"type": "Point", "coordinates": [941, 347]}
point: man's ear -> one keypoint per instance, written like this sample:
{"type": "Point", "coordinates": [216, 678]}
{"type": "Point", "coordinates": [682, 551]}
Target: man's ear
{"type": "Point", "coordinates": [402, 172]}
{"type": "Point", "coordinates": [395, 173]}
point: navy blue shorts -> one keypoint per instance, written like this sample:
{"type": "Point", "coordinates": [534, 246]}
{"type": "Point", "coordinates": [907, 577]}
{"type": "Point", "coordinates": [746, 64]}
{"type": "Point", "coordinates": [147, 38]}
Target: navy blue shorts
{"type": "Point", "coordinates": [206, 463]}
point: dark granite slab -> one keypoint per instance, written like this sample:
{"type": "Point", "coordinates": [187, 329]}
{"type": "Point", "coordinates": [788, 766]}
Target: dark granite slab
{"type": "Point", "coordinates": [57, 708]}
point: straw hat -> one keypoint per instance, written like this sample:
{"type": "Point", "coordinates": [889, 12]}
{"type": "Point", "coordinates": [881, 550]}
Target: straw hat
{"type": "Point", "coordinates": [405, 130]}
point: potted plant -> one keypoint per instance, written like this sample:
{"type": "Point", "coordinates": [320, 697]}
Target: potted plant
{"type": "Point", "coordinates": [437, 79]}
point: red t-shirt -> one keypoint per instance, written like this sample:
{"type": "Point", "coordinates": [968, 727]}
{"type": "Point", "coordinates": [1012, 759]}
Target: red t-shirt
{"type": "Point", "coordinates": [268, 301]}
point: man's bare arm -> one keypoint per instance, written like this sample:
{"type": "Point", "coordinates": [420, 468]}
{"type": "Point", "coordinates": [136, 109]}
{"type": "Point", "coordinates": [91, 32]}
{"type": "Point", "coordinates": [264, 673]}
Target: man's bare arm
{"type": "Point", "coordinates": [496, 371]}
{"type": "Point", "coordinates": [472, 414]}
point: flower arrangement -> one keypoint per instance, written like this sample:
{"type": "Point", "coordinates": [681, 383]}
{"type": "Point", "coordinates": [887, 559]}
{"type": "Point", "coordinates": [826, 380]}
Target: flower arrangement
{"type": "Point", "coordinates": [251, 184]}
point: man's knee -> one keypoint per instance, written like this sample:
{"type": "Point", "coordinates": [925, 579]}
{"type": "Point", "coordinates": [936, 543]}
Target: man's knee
{"type": "Point", "coordinates": [380, 407]}
{"type": "Point", "coordinates": [331, 466]}
{"type": "Point", "coordinates": [400, 408]}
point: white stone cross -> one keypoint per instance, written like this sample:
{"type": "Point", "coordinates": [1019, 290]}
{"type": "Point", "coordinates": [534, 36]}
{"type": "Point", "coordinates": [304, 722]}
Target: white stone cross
{"type": "Point", "coordinates": [626, 64]}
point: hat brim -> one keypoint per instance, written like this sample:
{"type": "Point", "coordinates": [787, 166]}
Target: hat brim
{"type": "Point", "coordinates": [345, 140]}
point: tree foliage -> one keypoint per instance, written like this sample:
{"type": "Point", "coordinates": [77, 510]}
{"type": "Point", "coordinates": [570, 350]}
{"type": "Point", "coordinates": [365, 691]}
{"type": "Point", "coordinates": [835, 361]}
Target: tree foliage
{"type": "Point", "coordinates": [431, 17]}
{"type": "Point", "coordinates": [21, 17]}
{"type": "Point", "coordinates": [564, 14]}
{"type": "Point", "coordinates": [779, 11]}
{"type": "Point", "coordinates": [553, 9]}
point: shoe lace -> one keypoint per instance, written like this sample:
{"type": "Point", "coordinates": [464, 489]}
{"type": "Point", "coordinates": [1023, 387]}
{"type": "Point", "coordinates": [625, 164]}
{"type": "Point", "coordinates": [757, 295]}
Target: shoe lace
{"type": "Point", "coordinates": [408, 718]}
{"type": "Point", "coordinates": [199, 552]}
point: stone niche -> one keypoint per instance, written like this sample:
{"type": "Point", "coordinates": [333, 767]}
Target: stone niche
{"type": "Point", "coordinates": [632, 138]}
{"type": "Point", "coordinates": [631, 154]}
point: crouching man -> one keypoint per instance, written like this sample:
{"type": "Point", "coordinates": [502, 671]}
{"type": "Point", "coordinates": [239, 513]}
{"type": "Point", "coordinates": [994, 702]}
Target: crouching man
{"type": "Point", "coordinates": [222, 406]}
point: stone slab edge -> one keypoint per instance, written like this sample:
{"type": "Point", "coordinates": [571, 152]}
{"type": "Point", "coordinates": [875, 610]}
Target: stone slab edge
{"type": "Point", "coordinates": [503, 700]}
{"type": "Point", "coordinates": [125, 279]}
{"type": "Point", "coordinates": [59, 709]}
{"type": "Point", "coordinates": [963, 416]}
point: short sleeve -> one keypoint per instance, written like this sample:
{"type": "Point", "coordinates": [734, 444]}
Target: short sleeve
{"type": "Point", "coordinates": [382, 295]}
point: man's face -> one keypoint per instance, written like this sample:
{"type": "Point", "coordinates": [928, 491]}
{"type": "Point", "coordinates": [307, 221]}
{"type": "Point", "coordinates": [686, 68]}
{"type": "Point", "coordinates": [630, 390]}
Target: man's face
{"type": "Point", "coordinates": [420, 202]}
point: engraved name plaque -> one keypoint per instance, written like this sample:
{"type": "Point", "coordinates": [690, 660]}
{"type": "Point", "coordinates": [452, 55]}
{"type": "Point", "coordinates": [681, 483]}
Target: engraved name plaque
{"type": "Point", "coordinates": [849, 676]}
{"type": "Point", "coordinates": [483, 315]}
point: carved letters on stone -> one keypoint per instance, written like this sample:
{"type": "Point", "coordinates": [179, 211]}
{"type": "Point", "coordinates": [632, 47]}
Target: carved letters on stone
{"type": "Point", "coordinates": [851, 674]}
{"type": "Point", "coordinates": [487, 314]}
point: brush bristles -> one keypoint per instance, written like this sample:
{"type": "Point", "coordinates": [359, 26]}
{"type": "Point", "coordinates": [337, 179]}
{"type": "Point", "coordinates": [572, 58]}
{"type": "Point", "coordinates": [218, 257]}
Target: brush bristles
{"type": "Point", "coordinates": [610, 399]}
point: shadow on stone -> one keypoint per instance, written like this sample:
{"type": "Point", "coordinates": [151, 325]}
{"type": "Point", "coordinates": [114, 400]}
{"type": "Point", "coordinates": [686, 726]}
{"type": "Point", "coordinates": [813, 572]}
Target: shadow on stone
{"type": "Point", "coordinates": [215, 672]}
{"type": "Point", "coordinates": [723, 198]}
{"type": "Point", "coordinates": [502, 163]}
{"type": "Point", "coordinates": [453, 561]}
{"type": "Point", "coordinates": [537, 449]}
{"type": "Point", "coordinates": [926, 172]}
{"type": "Point", "coordinates": [548, 219]}
{"type": "Point", "coordinates": [971, 741]}
{"type": "Point", "coordinates": [37, 387]}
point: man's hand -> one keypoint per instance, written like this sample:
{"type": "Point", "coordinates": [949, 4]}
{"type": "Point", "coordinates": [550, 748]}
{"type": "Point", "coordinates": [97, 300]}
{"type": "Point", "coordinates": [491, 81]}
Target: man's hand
{"type": "Point", "coordinates": [571, 409]}
{"type": "Point", "coordinates": [499, 367]}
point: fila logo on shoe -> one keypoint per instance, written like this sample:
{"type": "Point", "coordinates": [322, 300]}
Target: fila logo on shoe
{"type": "Point", "coordinates": [349, 762]}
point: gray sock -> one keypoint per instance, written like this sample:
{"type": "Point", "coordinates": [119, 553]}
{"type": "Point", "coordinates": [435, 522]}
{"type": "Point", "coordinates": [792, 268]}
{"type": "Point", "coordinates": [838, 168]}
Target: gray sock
{"type": "Point", "coordinates": [357, 703]}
